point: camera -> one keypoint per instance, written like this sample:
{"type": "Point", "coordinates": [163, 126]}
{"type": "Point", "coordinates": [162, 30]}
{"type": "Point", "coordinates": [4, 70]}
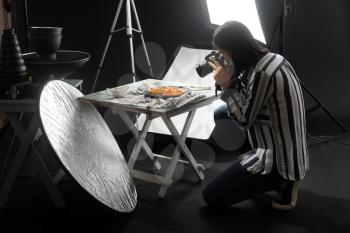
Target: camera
{"type": "Point", "coordinates": [203, 69]}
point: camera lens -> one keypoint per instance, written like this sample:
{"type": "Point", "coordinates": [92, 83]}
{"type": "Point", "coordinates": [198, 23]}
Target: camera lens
{"type": "Point", "coordinates": [203, 69]}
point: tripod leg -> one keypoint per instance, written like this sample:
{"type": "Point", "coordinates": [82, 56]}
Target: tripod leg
{"type": "Point", "coordinates": [319, 105]}
{"type": "Point", "coordinates": [129, 30]}
{"type": "Point", "coordinates": [333, 118]}
{"type": "Point", "coordinates": [129, 34]}
{"type": "Point", "coordinates": [142, 39]}
{"type": "Point", "coordinates": [107, 45]}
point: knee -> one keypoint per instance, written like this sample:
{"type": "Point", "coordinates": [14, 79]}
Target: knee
{"type": "Point", "coordinates": [220, 115]}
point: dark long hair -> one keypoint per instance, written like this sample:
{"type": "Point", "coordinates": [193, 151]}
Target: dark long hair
{"type": "Point", "coordinates": [236, 38]}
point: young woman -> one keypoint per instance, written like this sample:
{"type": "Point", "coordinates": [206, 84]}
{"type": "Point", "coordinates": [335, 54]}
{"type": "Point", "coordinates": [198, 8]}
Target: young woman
{"type": "Point", "coordinates": [269, 105]}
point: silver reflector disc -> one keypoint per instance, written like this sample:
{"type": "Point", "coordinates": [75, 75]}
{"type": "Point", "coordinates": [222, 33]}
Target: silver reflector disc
{"type": "Point", "coordinates": [85, 146]}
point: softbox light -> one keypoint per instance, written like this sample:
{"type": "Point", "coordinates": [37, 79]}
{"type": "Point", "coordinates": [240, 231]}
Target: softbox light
{"type": "Point", "coordinates": [244, 11]}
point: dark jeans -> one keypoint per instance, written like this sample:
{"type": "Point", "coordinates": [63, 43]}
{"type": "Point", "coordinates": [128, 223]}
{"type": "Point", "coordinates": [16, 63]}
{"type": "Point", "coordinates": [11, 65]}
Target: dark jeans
{"type": "Point", "coordinates": [220, 113]}
{"type": "Point", "coordinates": [236, 184]}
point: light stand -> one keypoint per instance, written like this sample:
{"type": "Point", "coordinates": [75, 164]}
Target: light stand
{"type": "Point", "coordinates": [129, 32]}
{"type": "Point", "coordinates": [288, 48]}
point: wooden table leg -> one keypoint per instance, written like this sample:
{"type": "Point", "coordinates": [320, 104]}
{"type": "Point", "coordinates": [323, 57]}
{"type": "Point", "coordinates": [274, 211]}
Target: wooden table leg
{"type": "Point", "coordinates": [176, 154]}
{"type": "Point", "coordinates": [181, 142]}
{"type": "Point", "coordinates": [9, 150]}
{"type": "Point", "coordinates": [165, 180]}
{"type": "Point", "coordinates": [27, 138]}
{"type": "Point", "coordinates": [48, 181]}
{"type": "Point", "coordinates": [126, 119]}
{"type": "Point", "coordinates": [139, 142]}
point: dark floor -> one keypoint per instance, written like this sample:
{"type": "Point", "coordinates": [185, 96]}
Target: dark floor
{"type": "Point", "coordinates": [324, 201]}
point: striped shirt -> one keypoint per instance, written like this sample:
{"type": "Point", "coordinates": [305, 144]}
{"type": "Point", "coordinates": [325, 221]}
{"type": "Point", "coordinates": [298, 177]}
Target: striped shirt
{"type": "Point", "coordinates": [271, 107]}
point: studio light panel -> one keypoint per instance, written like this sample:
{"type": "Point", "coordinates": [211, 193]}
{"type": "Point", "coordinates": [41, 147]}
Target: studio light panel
{"type": "Point", "coordinates": [244, 11]}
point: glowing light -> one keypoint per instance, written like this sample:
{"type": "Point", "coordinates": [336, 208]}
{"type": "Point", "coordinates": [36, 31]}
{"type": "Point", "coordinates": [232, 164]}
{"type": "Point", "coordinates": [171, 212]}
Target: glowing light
{"type": "Point", "coordinates": [244, 11]}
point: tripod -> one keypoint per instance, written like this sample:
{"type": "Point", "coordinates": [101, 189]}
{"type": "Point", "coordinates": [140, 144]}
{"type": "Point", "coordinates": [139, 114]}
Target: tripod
{"type": "Point", "coordinates": [288, 16]}
{"type": "Point", "coordinates": [129, 32]}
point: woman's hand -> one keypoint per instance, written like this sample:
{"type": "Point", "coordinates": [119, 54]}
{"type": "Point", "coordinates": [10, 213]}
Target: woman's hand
{"type": "Point", "coordinates": [222, 76]}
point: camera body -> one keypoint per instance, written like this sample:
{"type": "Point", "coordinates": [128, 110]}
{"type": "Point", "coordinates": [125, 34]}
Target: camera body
{"type": "Point", "coordinates": [203, 69]}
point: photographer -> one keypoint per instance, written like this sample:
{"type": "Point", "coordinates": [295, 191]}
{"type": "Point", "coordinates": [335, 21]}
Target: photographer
{"type": "Point", "coordinates": [270, 106]}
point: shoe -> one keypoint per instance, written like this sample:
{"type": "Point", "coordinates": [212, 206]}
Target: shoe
{"type": "Point", "coordinates": [289, 197]}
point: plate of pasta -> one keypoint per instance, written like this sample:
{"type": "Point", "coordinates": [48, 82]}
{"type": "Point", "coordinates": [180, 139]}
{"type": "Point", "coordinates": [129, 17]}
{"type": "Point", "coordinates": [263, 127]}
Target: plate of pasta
{"type": "Point", "coordinates": [167, 91]}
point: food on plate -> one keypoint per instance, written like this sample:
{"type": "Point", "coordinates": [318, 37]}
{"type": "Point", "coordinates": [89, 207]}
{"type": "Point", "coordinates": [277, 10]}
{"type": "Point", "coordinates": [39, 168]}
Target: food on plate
{"type": "Point", "coordinates": [166, 91]}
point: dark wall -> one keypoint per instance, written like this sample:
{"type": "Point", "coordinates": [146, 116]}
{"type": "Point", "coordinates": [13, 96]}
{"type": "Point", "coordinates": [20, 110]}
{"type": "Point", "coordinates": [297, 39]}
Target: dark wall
{"type": "Point", "coordinates": [322, 36]}
{"type": "Point", "coordinates": [322, 49]}
{"type": "Point", "coordinates": [165, 24]}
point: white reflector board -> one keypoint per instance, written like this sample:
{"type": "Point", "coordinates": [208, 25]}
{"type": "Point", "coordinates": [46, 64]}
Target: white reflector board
{"type": "Point", "coordinates": [183, 69]}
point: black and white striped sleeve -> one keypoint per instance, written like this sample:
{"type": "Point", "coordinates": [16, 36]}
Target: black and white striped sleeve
{"type": "Point", "coordinates": [244, 109]}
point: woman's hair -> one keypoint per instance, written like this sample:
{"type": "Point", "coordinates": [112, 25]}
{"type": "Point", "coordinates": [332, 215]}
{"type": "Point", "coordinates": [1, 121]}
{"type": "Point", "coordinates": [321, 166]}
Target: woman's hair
{"type": "Point", "coordinates": [236, 38]}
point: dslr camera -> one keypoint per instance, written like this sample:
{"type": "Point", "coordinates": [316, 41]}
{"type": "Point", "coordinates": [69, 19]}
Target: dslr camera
{"type": "Point", "coordinates": [203, 69]}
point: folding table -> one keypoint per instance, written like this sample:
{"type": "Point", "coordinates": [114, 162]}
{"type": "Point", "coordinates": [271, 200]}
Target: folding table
{"type": "Point", "coordinates": [103, 98]}
{"type": "Point", "coordinates": [12, 109]}
{"type": "Point", "coordinates": [26, 137]}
